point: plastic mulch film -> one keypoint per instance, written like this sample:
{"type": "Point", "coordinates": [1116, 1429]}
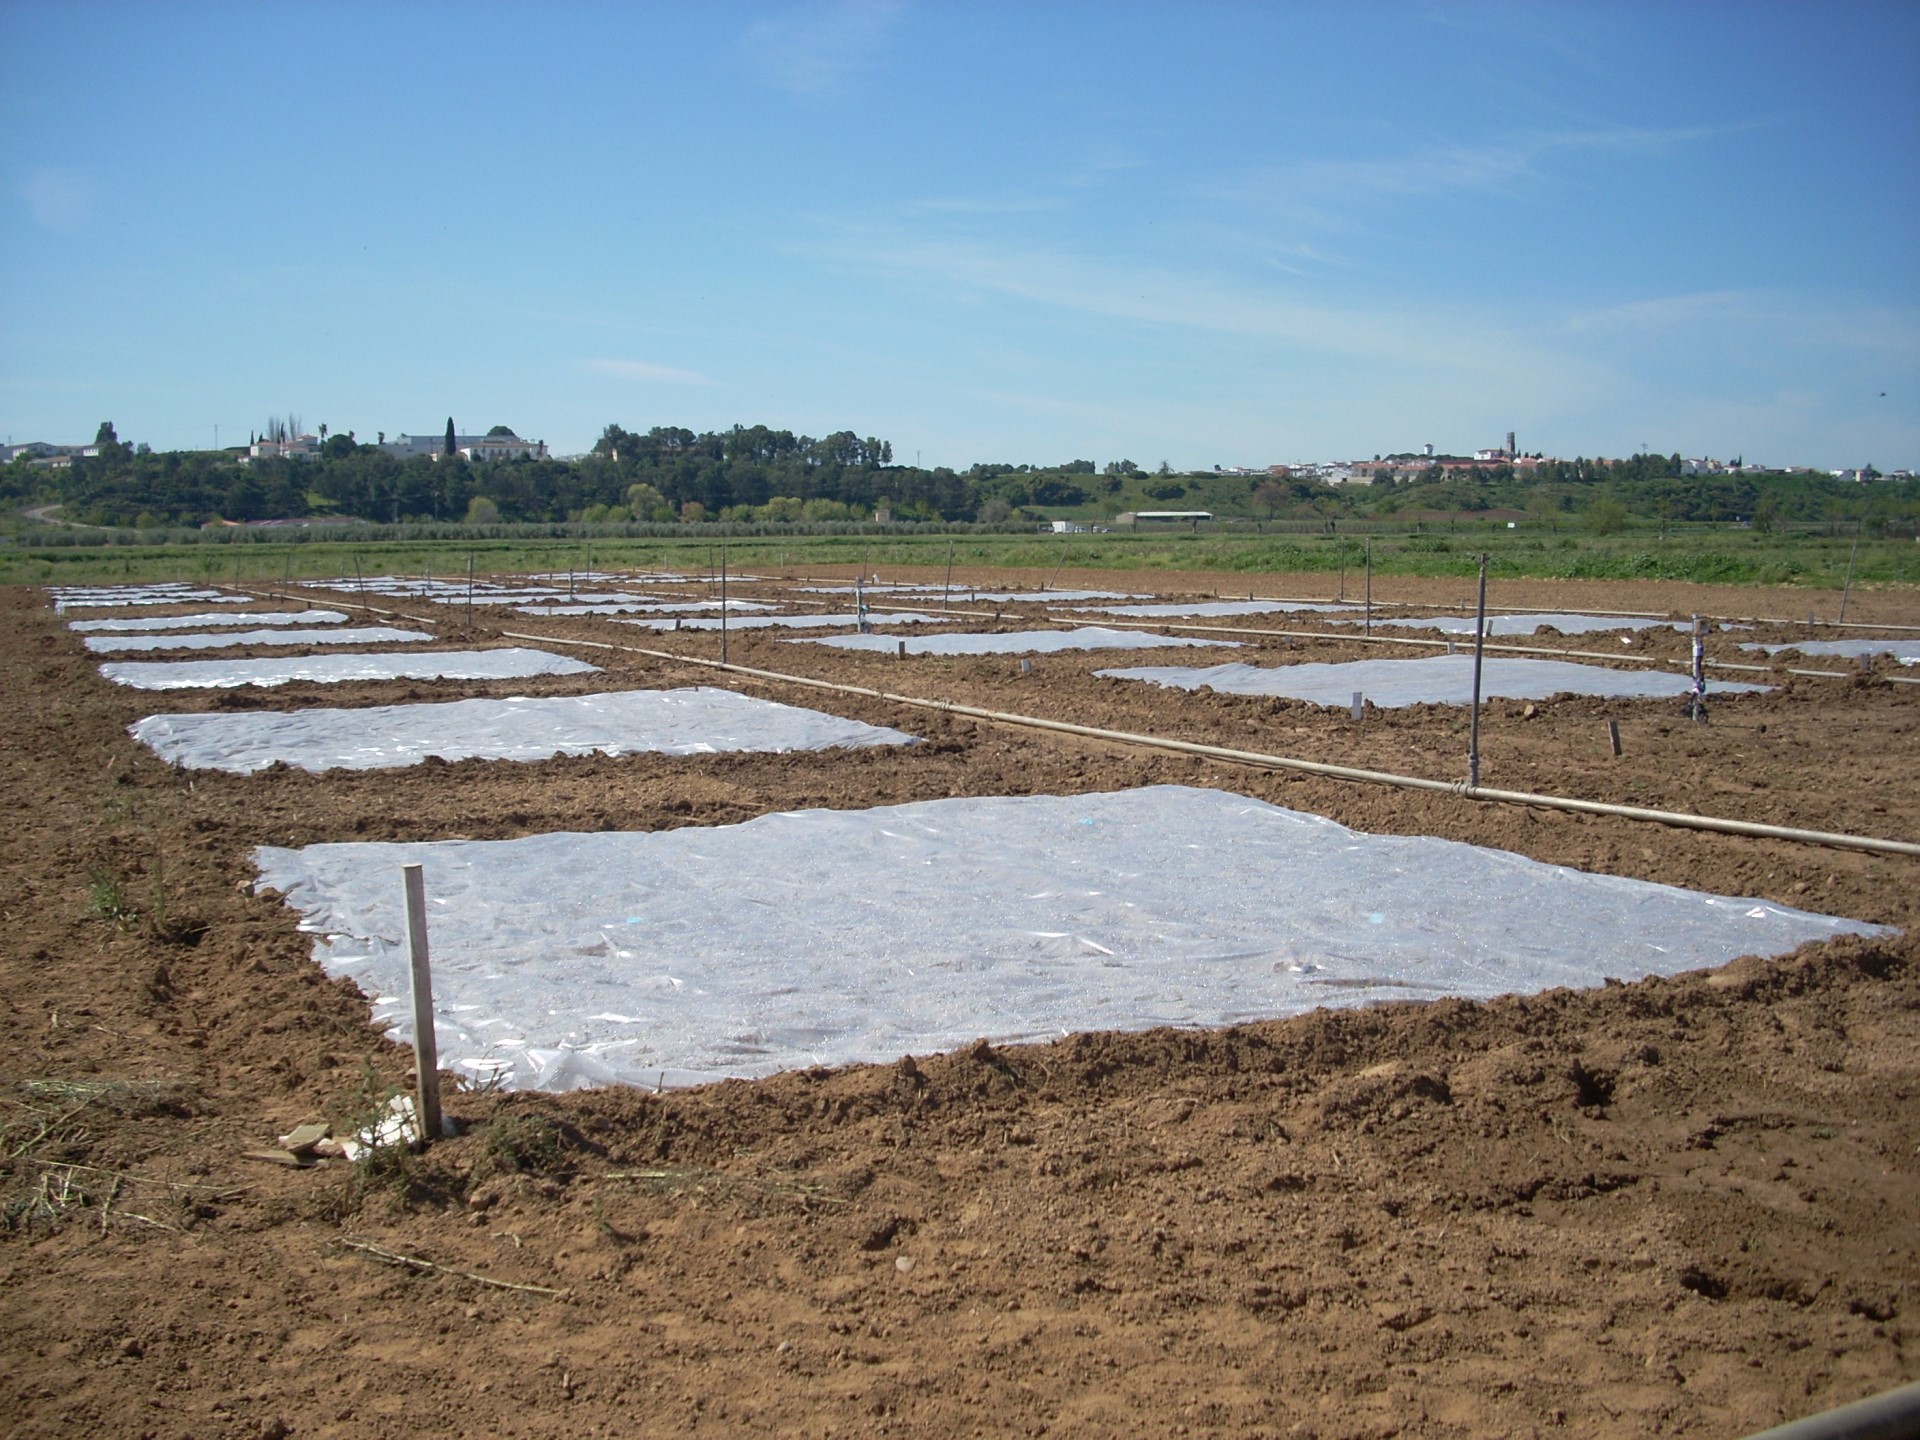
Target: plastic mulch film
{"type": "Point", "coordinates": [696, 721]}
{"type": "Point", "coordinates": [118, 596]}
{"type": "Point", "coordinates": [1905, 652]}
{"type": "Point", "coordinates": [826, 937]}
{"type": "Point", "coordinates": [235, 618]}
{"type": "Point", "coordinates": [1172, 609]}
{"type": "Point", "coordinates": [506, 664]}
{"type": "Point", "coordinates": [789, 622]}
{"type": "Point", "coordinates": [1525, 624]}
{"type": "Point", "coordinates": [233, 639]}
{"type": "Point", "coordinates": [1431, 679]}
{"type": "Point", "coordinates": [1015, 642]}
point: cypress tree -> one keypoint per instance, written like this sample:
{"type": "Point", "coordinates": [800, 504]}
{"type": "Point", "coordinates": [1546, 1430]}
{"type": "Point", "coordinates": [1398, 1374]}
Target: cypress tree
{"type": "Point", "coordinates": [450, 436]}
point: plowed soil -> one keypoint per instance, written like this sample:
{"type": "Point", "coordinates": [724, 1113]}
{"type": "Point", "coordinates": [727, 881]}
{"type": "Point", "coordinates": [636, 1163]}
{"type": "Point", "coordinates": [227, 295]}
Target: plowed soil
{"type": "Point", "coordinates": [1686, 1206]}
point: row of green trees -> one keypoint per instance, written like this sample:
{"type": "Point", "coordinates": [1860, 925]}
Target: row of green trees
{"type": "Point", "coordinates": [754, 474]}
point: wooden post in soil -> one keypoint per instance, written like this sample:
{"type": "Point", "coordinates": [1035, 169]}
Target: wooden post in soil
{"type": "Point", "coordinates": [946, 590]}
{"type": "Point", "coordinates": [426, 1050]}
{"type": "Point", "coordinates": [723, 604]}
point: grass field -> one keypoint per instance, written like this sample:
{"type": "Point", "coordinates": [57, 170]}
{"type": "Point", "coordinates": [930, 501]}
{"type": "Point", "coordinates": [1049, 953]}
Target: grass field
{"type": "Point", "coordinates": [1813, 558]}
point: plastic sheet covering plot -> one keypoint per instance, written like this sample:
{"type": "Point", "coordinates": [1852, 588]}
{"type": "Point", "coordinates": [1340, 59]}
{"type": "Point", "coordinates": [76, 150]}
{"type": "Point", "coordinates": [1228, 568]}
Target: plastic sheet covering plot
{"type": "Point", "coordinates": [696, 721]}
{"type": "Point", "coordinates": [1218, 608]}
{"type": "Point", "coordinates": [232, 618]}
{"type": "Point", "coordinates": [830, 937]}
{"type": "Point", "coordinates": [234, 639]}
{"type": "Point", "coordinates": [1526, 624]}
{"type": "Point", "coordinates": [1905, 652]}
{"type": "Point", "coordinates": [1432, 679]}
{"type": "Point", "coordinates": [1086, 637]}
{"type": "Point", "coordinates": [512, 663]}
{"type": "Point", "coordinates": [787, 622]}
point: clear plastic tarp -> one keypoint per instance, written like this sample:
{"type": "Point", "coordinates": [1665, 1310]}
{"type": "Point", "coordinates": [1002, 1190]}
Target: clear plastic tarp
{"type": "Point", "coordinates": [696, 721]}
{"type": "Point", "coordinates": [1431, 679]}
{"type": "Point", "coordinates": [130, 623]}
{"type": "Point", "coordinates": [1032, 597]}
{"type": "Point", "coordinates": [1906, 652]}
{"type": "Point", "coordinates": [1013, 642]}
{"type": "Point", "coordinates": [234, 639]}
{"type": "Point", "coordinates": [1218, 608]}
{"type": "Point", "coordinates": [594, 606]}
{"type": "Point", "coordinates": [790, 622]}
{"type": "Point", "coordinates": [828, 937]}
{"type": "Point", "coordinates": [513, 663]}
{"type": "Point", "coordinates": [79, 598]}
{"type": "Point", "coordinates": [1524, 624]}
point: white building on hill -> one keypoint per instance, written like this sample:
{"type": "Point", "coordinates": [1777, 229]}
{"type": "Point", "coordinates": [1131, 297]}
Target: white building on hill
{"type": "Point", "coordinates": [478, 449]}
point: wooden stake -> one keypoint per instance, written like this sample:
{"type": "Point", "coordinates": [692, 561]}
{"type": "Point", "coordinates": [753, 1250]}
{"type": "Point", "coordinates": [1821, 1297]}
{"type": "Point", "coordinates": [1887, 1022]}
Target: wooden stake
{"type": "Point", "coordinates": [426, 1049]}
{"type": "Point", "coordinates": [1613, 736]}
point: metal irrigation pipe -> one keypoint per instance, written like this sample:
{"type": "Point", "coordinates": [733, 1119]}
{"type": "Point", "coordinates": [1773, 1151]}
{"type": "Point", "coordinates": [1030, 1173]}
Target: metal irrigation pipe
{"type": "Point", "coordinates": [1673, 818]}
{"type": "Point", "coordinates": [1890, 1415]}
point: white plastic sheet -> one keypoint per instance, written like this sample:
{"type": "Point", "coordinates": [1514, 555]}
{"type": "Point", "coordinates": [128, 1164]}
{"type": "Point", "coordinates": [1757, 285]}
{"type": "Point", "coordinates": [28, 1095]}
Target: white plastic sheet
{"type": "Point", "coordinates": [119, 596]}
{"type": "Point", "coordinates": [1906, 651]}
{"type": "Point", "coordinates": [131, 623]}
{"type": "Point", "coordinates": [1218, 608]}
{"type": "Point", "coordinates": [697, 721]}
{"type": "Point", "coordinates": [234, 639]}
{"type": "Point", "coordinates": [790, 622]}
{"type": "Point", "coordinates": [1522, 624]}
{"type": "Point", "coordinates": [505, 664]}
{"type": "Point", "coordinates": [830, 937]}
{"type": "Point", "coordinates": [1013, 642]}
{"type": "Point", "coordinates": [628, 604]}
{"type": "Point", "coordinates": [1431, 679]}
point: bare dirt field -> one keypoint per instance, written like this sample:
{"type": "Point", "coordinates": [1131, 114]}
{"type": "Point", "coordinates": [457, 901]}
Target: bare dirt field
{"type": "Point", "coordinates": [1678, 1207]}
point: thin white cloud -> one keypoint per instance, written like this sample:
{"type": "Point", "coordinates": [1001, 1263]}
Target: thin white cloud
{"type": "Point", "coordinates": [819, 49]}
{"type": "Point", "coordinates": [1335, 193]}
{"type": "Point", "coordinates": [60, 200]}
{"type": "Point", "coordinates": [1460, 345]}
{"type": "Point", "coordinates": [1763, 318]}
{"type": "Point", "coordinates": [649, 372]}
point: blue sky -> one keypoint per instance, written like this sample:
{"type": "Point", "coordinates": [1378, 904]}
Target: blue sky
{"type": "Point", "coordinates": [1211, 234]}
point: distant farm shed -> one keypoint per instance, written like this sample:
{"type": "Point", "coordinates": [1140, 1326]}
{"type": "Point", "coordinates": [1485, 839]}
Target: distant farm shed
{"type": "Point", "coordinates": [1162, 517]}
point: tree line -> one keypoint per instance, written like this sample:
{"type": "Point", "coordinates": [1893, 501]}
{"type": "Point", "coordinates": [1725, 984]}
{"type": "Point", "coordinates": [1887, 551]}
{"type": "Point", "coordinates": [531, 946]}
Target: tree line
{"type": "Point", "coordinates": [755, 474]}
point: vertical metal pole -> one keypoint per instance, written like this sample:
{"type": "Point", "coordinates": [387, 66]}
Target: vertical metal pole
{"type": "Point", "coordinates": [1369, 587]}
{"type": "Point", "coordinates": [1847, 589]}
{"type": "Point", "coordinates": [1697, 698]}
{"type": "Point", "coordinates": [1479, 650]}
{"type": "Point", "coordinates": [469, 588]}
{"type": "Point", "coordinates": [946, 590]}
{"type": "Point", "coordinates": [860, 601]}
{"type": "Point", "coordinates": [723, 604]}
{"type": "Point", "coordinates": [426, 1049]}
